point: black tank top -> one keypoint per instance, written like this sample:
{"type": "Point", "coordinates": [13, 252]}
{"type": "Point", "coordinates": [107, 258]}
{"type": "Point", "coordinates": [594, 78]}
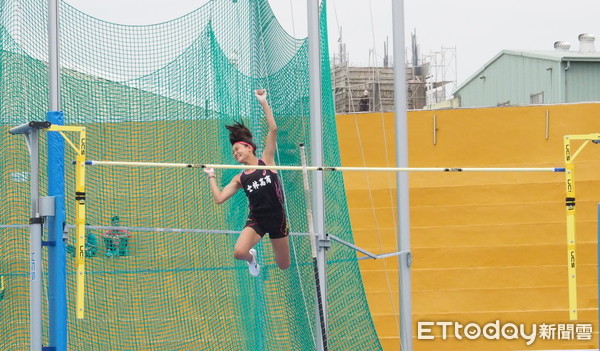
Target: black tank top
{"type": "Point", "coordinates": [263, 189]}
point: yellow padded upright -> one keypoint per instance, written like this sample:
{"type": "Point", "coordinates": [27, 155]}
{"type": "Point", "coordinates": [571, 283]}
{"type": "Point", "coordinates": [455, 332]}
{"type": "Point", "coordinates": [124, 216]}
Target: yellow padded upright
{"type": "Point", "coordinates": [486, 246]}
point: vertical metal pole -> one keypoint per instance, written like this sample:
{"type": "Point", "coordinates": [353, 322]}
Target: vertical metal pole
{"type": "Point", "coordinates": [598, 256]}
{"type": "Point", "coordinates": [316, 143]}
{"type": "Point", "coordinates": [35, 246]}
{"type": "Point", "coordinates": [313, 246]}
{"type": "Point", "coordinates": [57, 281]}
{"type": "Point", "coordinates": [404, 261]}
{"type": "Point", "coordinates": [53, 60]}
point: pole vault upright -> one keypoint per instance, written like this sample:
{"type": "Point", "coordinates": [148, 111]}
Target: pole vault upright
{"type": "Point", "coordinates": [31, 131]}
{"type": "Point", "coordinates": [570, 156]}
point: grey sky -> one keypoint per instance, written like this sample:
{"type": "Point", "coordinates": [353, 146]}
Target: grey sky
{"type": "Point", "coordinates": [478, 29]}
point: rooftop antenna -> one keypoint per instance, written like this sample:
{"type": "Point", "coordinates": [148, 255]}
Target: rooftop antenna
{"type": "Point", "coordinates": [342, 49]}
{"type": "Point", "coordinates": [415, 49]}
{"type": "Point", "coordinates": [386, 56]}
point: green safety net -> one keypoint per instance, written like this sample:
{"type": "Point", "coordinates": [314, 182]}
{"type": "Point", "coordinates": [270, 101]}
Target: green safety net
{"type": "Point", "coordinates": [163, 93]}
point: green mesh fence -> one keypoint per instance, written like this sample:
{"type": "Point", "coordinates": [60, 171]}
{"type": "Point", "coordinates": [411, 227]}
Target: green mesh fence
{"type": "Point", "coordinates": [163, 93]}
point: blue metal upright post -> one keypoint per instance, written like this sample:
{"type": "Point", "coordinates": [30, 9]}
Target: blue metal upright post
{"type": "Point", "coordinates": [57, 292]}
{"type": "Point", "coordinates": [57, 287]}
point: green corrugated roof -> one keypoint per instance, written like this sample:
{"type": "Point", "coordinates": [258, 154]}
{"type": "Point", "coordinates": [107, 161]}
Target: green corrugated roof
{"type": "Point", "coordinates": [550, 55]}
{"type": "Point", "coordinates": [556, 55]}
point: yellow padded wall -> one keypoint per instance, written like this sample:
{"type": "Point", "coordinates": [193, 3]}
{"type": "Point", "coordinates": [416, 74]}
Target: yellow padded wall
{"type": "Point", "coordinates": [486, 246]}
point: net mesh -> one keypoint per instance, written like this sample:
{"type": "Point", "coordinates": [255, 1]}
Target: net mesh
{"type": "Point", "coordinates": [163, 93]}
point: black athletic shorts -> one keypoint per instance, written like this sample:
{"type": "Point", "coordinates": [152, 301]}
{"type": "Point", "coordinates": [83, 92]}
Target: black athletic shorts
{"type": "Point", "coordinates": [275, 225]}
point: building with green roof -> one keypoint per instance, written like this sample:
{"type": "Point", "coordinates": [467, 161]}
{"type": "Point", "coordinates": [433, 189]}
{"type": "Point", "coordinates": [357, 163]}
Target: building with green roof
{"type": "Point", "coordinates": [535, 77]}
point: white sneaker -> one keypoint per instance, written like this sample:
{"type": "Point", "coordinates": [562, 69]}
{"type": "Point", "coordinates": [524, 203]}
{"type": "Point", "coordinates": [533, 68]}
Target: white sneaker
{"type": "Point", "coordinates": [253, 266]}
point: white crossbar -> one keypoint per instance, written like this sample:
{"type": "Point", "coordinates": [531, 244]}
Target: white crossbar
{"type": "Point", "coordinates": [340, 169]}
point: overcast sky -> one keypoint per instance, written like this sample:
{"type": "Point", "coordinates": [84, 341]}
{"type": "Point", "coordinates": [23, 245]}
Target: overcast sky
{"type": "Point", "coordinates": [477, 29]}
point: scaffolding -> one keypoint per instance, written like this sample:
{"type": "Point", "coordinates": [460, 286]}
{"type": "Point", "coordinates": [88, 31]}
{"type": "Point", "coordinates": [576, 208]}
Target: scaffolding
{"type": "Point", "coordinates": [430, 80]}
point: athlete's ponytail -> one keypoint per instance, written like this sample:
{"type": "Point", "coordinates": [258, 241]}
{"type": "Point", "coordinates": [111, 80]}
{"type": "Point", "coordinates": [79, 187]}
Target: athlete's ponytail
{"type": "Point", "coordinates": [238, 132]}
